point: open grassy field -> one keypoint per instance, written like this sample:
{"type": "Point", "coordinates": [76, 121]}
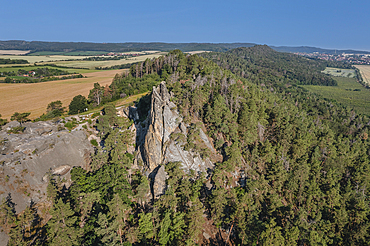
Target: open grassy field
{"type": "Point", "coordinates": [34, 98]}
{"type": "Point", "coordinates": [340, 72]}
{"type": "Point", "coordinates": [93, 64]}
{"type": "Point", "coordinates": [14, 52]}
{"type": "Point", "coordinates": [30, 68]}
{"type": "Point", "coordinates": [348, 92]}
{"type": "Point", "coordinates": [365, 72]}
{"type": "Point", "coordinates": [196, 52]}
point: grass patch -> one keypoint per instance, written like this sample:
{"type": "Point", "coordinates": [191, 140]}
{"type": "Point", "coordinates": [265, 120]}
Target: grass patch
{"type": "Point", "coordinates": [348, 92]}
{"type": "Point", "coordinates": [340, 72]}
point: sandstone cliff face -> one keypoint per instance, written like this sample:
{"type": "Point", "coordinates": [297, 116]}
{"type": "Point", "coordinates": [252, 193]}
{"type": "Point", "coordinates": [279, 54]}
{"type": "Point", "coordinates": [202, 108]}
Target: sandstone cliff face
{"type": "Point", "coordinates": [26, 158]}
{"type": "Point", "coordinates": [158, 148]}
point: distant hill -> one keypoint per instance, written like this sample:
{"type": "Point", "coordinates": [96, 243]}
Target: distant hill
{"type": "Point", "coordinates": [37, 46]}
{"type": "Point", "coordinates": [307, 49]}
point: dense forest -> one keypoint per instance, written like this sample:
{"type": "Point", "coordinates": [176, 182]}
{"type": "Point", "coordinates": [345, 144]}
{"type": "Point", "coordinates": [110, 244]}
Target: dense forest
{"type": "Point", "coordinates": [294, 168]}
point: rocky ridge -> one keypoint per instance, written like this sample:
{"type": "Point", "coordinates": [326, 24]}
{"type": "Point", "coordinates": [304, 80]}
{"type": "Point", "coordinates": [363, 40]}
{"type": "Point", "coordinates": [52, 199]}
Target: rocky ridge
{"type": "Point", "coordinates": [156, 147]}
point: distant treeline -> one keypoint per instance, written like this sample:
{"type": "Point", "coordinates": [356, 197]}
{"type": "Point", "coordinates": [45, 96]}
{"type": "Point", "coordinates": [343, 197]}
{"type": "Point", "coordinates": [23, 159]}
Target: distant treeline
{"type": "Point", "coordinates": [38, 46]}
{"type": "Point", "coordinates": [13, 61]}
{"type": "Point", "coordinates": [38, 80]}
{"type": "Point", "coordinates": [121, 66]}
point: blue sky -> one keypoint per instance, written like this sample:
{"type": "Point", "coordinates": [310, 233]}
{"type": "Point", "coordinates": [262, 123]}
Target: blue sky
{"type": "Point", "coordinates": [327, 24]}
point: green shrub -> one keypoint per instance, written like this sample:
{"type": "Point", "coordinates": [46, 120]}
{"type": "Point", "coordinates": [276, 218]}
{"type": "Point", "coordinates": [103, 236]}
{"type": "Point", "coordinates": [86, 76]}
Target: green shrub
{"type": "Point", "coordinates": [69, 125]}
{"type": "Point", "coordinates": [94, 142]}
{"type": "Point", "coordinates": [16, 130]}
{"type": "Point", "coordinates": [95, 115]}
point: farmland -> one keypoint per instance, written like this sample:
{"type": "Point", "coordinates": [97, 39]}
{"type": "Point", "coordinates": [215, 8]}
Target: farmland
{"type": "Point", "coordinates": [30, 68]}
{"type": "Point", "coordinates": [47, 58]}
{"type": "Point", "coordinates": [348, 92]}
{"type": "Point", "coordinates": [365, 72]}
{"type": "Point", "coordinates": [14, 52]}
{"type": "Point", "coordinates": [72, 53]}
{"type": "Point", "coordinates": [35, 97]}
{"type": "Point", "coordinates": [93, 64]}
{"type": "Point", "coordinates": [76, 60]}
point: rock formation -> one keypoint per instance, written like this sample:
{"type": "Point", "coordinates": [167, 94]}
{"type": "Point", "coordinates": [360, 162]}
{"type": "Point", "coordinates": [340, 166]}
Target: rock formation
{"type": "Point", "coordinates": [26, 158]}
{"type": "Point", "coordinates": [158, 148]}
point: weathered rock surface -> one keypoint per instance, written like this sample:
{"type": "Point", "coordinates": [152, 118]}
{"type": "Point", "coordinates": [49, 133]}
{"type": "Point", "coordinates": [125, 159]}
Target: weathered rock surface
{"type": "Point", "coordinates": [159, 182]}
{"type": "Point", "coordinates": [3, 238]}
{"type": "Point", "coordinates": [26, 158]}
{"type": "Point", "coordinates": [158, 148]}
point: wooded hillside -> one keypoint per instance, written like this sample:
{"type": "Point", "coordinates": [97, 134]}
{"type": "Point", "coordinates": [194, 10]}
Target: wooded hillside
{"type": "Point", "coordinates": [293, 168]}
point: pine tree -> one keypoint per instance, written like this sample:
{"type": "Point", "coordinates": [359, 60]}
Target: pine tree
{"type": "Point", "coordinates": [62, 227]}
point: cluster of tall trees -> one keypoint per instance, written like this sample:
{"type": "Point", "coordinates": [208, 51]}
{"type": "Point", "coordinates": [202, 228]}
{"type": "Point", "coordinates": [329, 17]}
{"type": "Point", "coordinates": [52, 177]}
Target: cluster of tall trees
{"type": "Point", "coordinates": [294, 170]}
{"type": "Point", "coordinates": [13, 61]}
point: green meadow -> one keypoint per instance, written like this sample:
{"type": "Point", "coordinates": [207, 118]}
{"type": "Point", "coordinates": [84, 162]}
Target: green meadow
{"type": "Point", "coordinates": [348, 92]}
{"type": "Point", "coordinates": [340, 72]}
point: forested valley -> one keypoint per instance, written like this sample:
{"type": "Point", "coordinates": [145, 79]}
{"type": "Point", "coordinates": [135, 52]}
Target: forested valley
{"type": "Point", "coordinates": [290, 167]}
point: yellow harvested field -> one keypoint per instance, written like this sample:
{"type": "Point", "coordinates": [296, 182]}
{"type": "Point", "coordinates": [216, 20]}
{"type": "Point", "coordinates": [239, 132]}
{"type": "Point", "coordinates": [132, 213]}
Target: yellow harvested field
{"type": "Point", "coordinates": [33, 59]}
{"type": "Point", "coordinates": [35, 97]}
{"type": "Point", "coordinates": [93, 64]}
{"type": "Point", "coordinates": [14, 52]}
{"type": "Point", "coordinates": [365, 72]}
{"type": "Point", "coordinates": [197, 52]}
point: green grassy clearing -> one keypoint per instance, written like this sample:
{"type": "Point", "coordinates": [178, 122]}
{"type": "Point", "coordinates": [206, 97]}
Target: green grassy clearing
{"type": "Point", "coordinates": [348, 92]}
{"type": "Point", "coordinates": [340, 72]}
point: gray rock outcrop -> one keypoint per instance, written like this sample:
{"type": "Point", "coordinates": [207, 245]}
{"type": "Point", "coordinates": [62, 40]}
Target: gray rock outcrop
{"type": "Point", "coordinates": [26, 158]}
{"type": "Point", "coordinates": [158, 148]}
